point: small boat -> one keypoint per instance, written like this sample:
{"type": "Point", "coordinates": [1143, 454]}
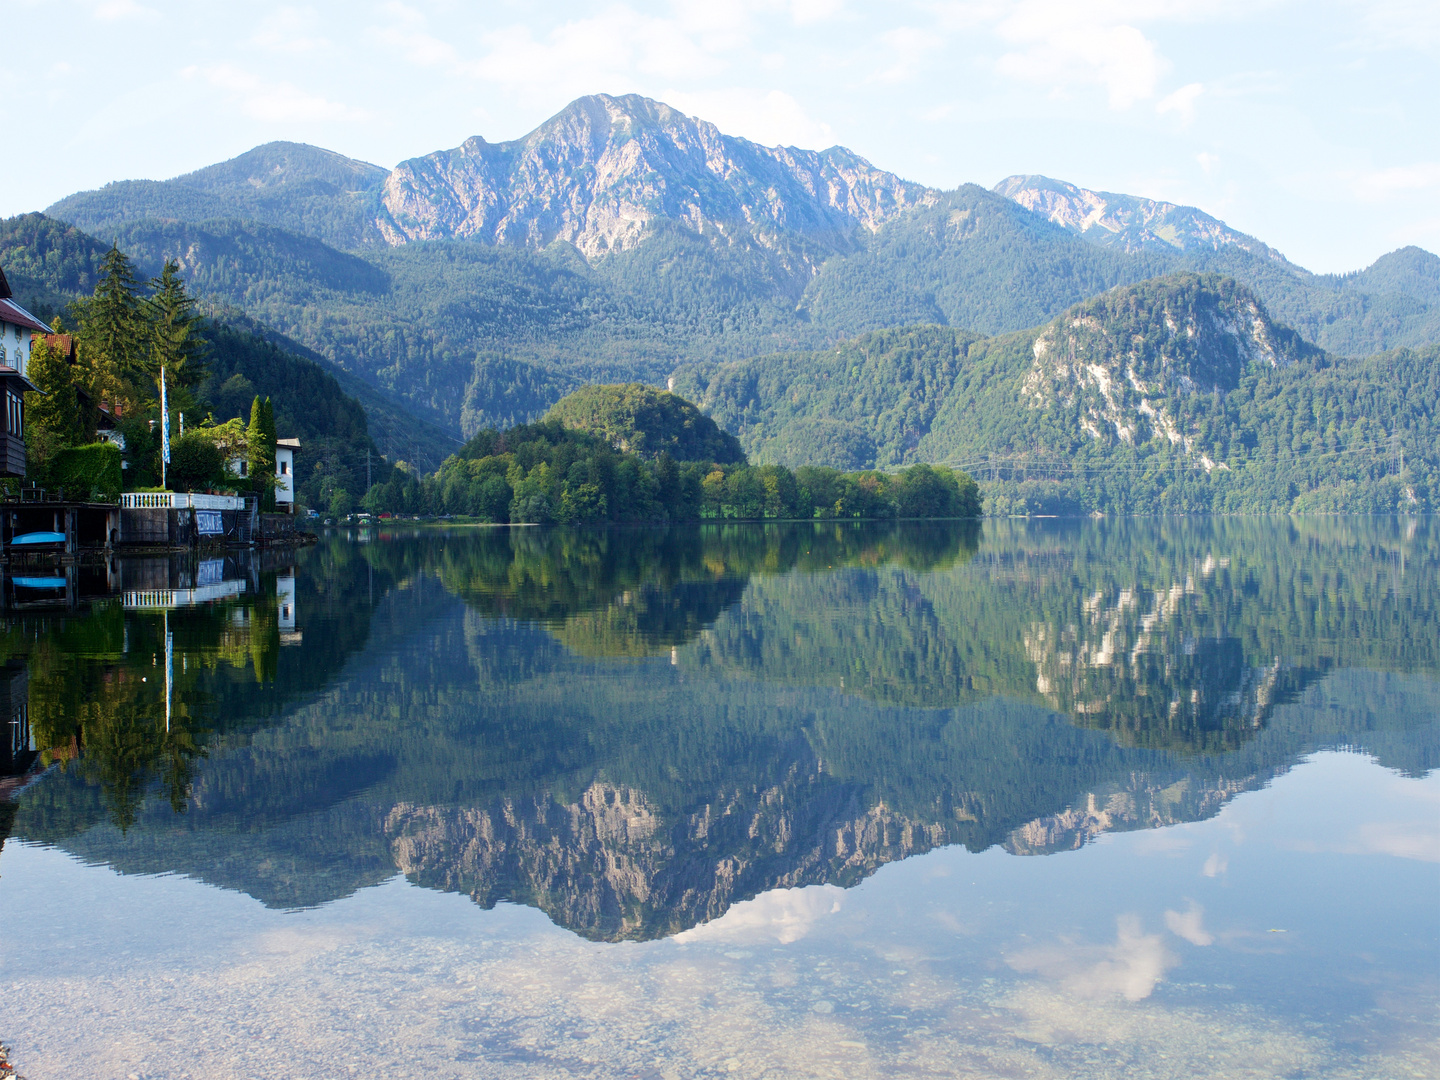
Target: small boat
{"type": "Point", "coordinates": [32, 539]}
{"type": "Point", "coordinates": [39, 582]}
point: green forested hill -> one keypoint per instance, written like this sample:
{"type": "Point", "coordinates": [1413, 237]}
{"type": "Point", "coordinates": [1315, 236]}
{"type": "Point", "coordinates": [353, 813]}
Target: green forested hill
{"type": "Point", "coordinates": [1177, 394]}
{"type": "Point", "coordinates": [639, 419]}
{"type": "Point", "coordinates": [301, 188]}
{"type": "Point", "coordinates": [49, 265]}
{"type": "Point", "coordinates": [473, 334]}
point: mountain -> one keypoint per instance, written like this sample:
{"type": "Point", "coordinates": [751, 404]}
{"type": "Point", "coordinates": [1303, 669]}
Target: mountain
{"type": "Point", "coordinates": [292, 186]}
{"type": "Point", "coordinates": [481, 284]}
{"type": "Point", "coordinates": [1394, 302]}
{"type": "Point", "coordinates": [1176, 394]}
{"type": "Point", "coordinates": [634, 418]}
{"type": "Point", "coordinates": [601, 171]}
{"type": "Point", "coordinates": [1128, 222]}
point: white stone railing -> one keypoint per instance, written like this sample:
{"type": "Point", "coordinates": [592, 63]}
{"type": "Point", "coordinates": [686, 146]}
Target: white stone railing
{"type": "Point", "coordinates": [170, 500]}
{"type": "Point", "coordinates": [155, 599]}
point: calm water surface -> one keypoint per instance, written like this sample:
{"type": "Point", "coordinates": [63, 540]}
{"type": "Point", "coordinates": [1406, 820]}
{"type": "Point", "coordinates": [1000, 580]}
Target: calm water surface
{"type": "Point", "coordinates": [1053, 799]}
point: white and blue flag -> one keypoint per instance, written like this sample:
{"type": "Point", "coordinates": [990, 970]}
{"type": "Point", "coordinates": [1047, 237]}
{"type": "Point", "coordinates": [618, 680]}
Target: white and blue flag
{"type": "Point", "coordinates": [164, 421]}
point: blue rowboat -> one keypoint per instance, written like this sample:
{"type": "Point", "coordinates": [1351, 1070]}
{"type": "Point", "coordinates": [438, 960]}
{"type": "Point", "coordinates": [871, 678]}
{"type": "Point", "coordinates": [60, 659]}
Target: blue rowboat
{"type": "Point", "coordinates": [39, 582]}
{"type": "Point", "coordinates": [38, 538]}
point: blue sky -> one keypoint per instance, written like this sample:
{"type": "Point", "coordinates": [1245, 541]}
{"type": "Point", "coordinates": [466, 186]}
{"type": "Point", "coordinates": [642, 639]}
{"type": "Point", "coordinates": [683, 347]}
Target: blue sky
{"type": "Point", "coordinates": [1314, 126]}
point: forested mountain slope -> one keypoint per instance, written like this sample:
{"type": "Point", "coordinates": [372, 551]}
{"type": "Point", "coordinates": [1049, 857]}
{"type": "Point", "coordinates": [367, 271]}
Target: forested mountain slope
{"type": "Point", "coordinates": [483, 283]}
{"type": "Point", "coordinates": [1177, 394]}
{"type": "Point", "coordinates": [1395, 301]}
{"type": "Point", "coordinates": [50, 265]}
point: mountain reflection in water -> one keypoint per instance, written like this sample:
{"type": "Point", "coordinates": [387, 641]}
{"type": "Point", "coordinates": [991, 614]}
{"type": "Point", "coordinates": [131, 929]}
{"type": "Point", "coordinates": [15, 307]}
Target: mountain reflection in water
{"type": "Point", "coordinates": [635, 729]}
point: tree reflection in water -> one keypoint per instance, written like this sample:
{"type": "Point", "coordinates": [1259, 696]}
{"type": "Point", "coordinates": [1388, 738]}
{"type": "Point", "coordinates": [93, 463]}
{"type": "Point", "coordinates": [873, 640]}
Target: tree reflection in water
{"type": "Point", "coordinates": [633, 729]}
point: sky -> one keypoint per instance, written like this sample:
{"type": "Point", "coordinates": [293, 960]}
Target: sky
{"type": "Point", "coordinates": [1312, 125]}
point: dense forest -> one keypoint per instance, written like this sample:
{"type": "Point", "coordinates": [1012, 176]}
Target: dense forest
{"type": "Point", "coordinates": [473, 336]}
{"type": "Point", "coordinates": [219, 364]}
{"type": "Point", "coordinates": [51, 267]}
{"type": "Point", "coordinates": [1175, 395]}
{"type": "Point", "coordinates": [478, 335]}
{"type": "Point", "coordinates": [548, 472]}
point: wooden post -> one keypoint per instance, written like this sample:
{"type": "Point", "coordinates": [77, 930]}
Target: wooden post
{"type": "Point", "coordinates": [72, 528]}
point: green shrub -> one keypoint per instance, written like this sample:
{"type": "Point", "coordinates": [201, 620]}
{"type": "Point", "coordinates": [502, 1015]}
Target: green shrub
{"type": "Point", "coordinates": [196, 464]}
{"type": "Point", "coordinates": [87, 472]}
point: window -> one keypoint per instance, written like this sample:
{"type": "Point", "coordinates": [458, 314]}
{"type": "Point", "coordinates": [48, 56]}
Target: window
{"type": "Point", "coordinates": [284, 467]}
{"type": "Point", "coordinates": [244, 467]}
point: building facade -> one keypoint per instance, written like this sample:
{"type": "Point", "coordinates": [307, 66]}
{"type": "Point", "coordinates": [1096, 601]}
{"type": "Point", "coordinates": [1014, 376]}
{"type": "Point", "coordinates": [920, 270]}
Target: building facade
{"type": "Point", "coordinates": [285, 450]}
{"type": "Point", "coordinates": [17, 331]}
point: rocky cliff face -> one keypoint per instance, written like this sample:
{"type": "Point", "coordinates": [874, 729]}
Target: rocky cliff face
{"type": "Point", "coordinates": [611, 866]}
{"type": "Point", "coordinates": [1128, 357]}
{"type": "Point", "coordinates": [1146, 802]}
{"type": "Point", "coordinates": [605, 168]}
{"type": "Point", "coordinates": [1128, 222]}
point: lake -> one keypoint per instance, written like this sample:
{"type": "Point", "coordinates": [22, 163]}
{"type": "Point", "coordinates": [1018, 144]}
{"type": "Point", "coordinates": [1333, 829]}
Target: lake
{"type": "Point", "coordinates": [1113, 798]}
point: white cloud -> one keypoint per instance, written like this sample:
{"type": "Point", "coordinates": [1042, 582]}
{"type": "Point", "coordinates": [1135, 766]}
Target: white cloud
{"type": "Point", "coordinates": [1064, 44]}
{"type": "Point", "coordinates": [1065, 51]}
{"type": "Point", "coordinates": [1215, 865]}
{"type": "Point", "coordinates": [1400, 24]}
{"type": "Point", "coordinates": [408, 35]}
{"type": "Point", "coordinates": [268, 100]}
{"type": "Point", "coordinates": [1182, 101]}
{"type": "Point", "coordinates": [603, 53]}
{"type": "Point", "coordinates": [1190, 925]}
{"type": "Point", "coordinates": [809, 12]}
{"type": "Point", "coordinates": [119, 10]}
{"type": "Point", "coordinates": [289, 30]}
{"type": "Point", "coordinates": [909, 48]}
{"type": "Point", "coordinates": [1131, 968]}
{"type": "Point", "coordinates": [782, 915]}
{"type": "Point", "coordinates": [1382, 184]}
{"type": "Point", "coordinates": [768, 117]}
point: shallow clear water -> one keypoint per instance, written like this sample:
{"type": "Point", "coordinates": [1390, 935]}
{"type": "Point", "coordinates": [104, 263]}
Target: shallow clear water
{"type": "Point", "coordinates": [1054, 799]}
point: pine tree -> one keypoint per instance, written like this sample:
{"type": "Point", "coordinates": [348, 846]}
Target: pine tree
{"type": "Point", "coordinates": [261, 438]}
{"type": "Point", "coordinates": [176, 344]}
{"type": "Point", "coordinates": [115, 335]}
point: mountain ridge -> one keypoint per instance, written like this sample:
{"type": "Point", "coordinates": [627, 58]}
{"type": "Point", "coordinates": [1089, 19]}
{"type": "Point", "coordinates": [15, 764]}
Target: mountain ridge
{"type": "Point", "coordinates": [599, 171]}
{"type": "Point", "coordinates": [621, 239]}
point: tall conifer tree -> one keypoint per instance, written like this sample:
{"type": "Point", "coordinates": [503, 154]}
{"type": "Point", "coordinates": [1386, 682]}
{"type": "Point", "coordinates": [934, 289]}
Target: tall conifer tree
{"type": "Point", "coordinates": [261, 437]}
{"type": "Point", "coordinates": [115, 334]}
{"type": "Point", "coordinates": [176, 344]}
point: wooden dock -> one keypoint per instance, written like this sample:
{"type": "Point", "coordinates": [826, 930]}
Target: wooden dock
{"type": "Point", "coordinates": [168, 521]}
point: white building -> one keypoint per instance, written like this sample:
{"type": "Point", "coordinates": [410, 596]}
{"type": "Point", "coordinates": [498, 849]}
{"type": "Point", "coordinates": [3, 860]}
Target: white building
{"type": "Point", "coordinates": [17, 329]}
{"type": "Point", "coordinates": [285, 450]}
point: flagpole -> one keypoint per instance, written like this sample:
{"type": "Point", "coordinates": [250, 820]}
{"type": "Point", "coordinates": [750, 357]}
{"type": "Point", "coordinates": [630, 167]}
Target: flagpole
{"type": "Point", "coordinates": [169, 669]}
{"type": "Point", "coordinates": [164, 428]}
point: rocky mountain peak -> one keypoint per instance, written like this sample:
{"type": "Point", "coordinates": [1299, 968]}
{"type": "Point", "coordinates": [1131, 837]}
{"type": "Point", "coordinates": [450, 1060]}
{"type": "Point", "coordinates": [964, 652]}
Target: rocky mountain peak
{"type": "Point", "coordinates": [1128, 222]}
{"type": "Point", "coordinates": [600, 171]}
{"type": "Point", "coordinates": [1129, 356]}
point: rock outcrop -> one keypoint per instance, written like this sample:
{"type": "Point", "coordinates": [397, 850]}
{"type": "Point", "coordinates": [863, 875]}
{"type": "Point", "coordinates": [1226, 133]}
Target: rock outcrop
{"type": "Point", "coordinates": [604, 169]}
{"type": "Point", "coordinates": [1128, 222]}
